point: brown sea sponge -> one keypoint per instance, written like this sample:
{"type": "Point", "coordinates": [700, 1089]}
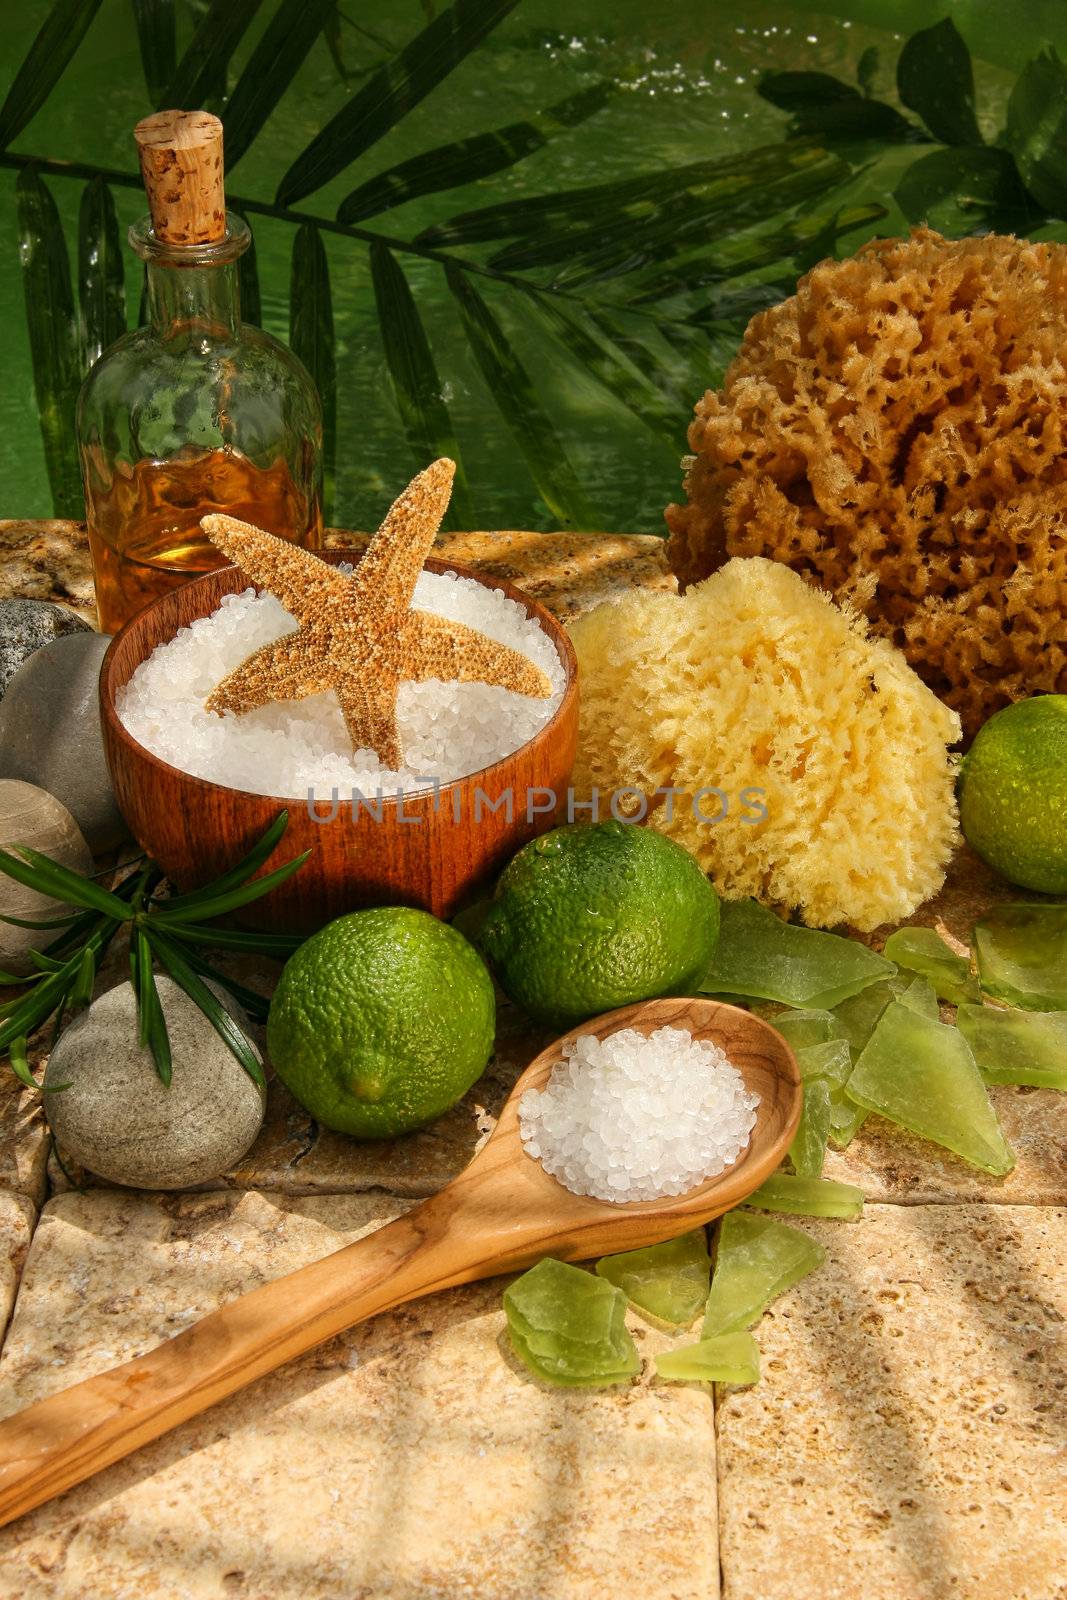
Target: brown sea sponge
{"type": "Point", "coordinates": [755, 681]}
{"type": "Point", "coordinates": [897, 433]}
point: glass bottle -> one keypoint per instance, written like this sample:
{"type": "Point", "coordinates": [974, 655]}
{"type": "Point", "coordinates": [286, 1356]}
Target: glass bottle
{"type": "Point", "coordinates": [196, 411]}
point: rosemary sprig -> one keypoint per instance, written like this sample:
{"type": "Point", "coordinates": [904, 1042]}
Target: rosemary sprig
{"type": "Point", "coordinates": [170, 930]}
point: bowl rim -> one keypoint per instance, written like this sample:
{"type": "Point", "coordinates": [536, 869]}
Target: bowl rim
{"type": "Point", "coordinates": [335, 555]}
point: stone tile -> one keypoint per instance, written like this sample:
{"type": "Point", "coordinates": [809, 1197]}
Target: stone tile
{"type": "Point", "coordinates": [47, 560]}
{"type": "Point", "coordinates": [889, 1163]}
{"type": "Point", "coordinates": [412, 1458]}
{"type": "Point", "coordinates": [906, 1441]}
{"type": "Point", "coordinates": [24, 1140]}
{"type": "Point", "coordinates": [17, 1217]}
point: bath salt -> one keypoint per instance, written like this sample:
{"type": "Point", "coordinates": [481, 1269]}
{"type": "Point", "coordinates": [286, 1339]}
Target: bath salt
{"type": "Point", "coordinates": [636, 1117]}
{"type": "Point", "coordinates": [447, 730]}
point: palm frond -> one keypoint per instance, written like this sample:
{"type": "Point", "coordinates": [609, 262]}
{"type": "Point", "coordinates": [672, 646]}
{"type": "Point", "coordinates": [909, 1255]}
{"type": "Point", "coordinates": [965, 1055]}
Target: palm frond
{"type": "Point", "coordinates": [60, 35]}
{"type": "Point", "coordinates": [53, 332]}
{"type": "Point", "coordinates": [391, 92]}
{"type": "Point", "coordinates": [423, 410]}
{"type": "Point", "coordinates": [200, 76]}
{"type": "Point", "coordinates": [269, 71]}
{"type": "Point", "coordinates": [516, 396]}
{"type": "Point", "coordinates": [101, 283]}
{"type": "Point", "coordinates": [157, 38]}
{"type": "Point", "coordinates": [311, 337]}
{"type": "Point", "coordinates": [465, 160]}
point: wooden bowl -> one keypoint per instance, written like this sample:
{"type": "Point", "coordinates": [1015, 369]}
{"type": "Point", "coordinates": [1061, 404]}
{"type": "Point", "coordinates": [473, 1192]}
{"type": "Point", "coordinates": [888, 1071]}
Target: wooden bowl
{"type": "Point", "coordinates": [430, 851]}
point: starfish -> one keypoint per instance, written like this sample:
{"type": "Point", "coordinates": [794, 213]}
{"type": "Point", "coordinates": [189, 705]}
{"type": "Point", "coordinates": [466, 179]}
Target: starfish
{"type": "Point", "coordinates": [359, 635]}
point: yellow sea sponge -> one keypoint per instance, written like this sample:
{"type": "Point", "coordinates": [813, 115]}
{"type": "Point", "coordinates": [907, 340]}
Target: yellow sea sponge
{"type": "Point", "coordinates": [753, 680]}
{"type": "Point", "coordinates": [896, 431]}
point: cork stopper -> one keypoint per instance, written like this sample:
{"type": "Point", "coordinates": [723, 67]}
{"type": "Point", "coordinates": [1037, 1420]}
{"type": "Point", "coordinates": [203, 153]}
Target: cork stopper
{"type": "Point", "coordinates": [181, 164]}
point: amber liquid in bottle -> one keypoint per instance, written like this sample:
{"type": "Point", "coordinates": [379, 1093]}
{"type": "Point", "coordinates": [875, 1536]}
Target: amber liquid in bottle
{"type": "Point", "coordinates": [144, 526]}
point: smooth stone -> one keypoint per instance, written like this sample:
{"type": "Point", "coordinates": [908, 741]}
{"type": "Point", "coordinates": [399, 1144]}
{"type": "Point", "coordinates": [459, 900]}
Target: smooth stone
{"type": "Point", "coordinates": [117, 1117]}
{"type": "Point", "coordinates": [30, 816]}
{"type": "Point", "coordinates": [50, 734]}
{"type": "Point", "coordinates": [26, 625]}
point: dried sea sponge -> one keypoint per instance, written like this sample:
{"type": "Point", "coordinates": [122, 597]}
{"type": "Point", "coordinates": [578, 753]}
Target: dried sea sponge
{"type": "Point", "coordinates": [897, 433]}
{"type": "Point", "coordinates": [755, 680]}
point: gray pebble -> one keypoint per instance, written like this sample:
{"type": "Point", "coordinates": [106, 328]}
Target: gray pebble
{"type": "Point", "coordinates": [28, 816]}
{"type": "Point", "coordinates": [118, 1119]}
{"type": "Point", "coordinates": [50, 734]}
{"type": "Point", "coordinates": [26, 625]}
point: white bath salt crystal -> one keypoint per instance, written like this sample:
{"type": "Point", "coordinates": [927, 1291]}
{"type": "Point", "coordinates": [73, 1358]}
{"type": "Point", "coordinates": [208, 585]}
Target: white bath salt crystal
{"type": "Point", "coordinates": [606, 1131]}
{"type": "Point", "coordinates": [447, 730]}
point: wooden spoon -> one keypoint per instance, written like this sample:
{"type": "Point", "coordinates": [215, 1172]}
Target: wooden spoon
{"type": "Point", "coordinates": [502, 1213]}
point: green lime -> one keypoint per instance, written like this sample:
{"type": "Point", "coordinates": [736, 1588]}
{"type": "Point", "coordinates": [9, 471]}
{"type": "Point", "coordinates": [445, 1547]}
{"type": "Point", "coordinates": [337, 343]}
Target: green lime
{"type": "Point", "coordinates": [381, 1021]}
{"type": "Point", "coordinates": [598, 914]}
{"type": "Point", "coordinates": [1013, 793]}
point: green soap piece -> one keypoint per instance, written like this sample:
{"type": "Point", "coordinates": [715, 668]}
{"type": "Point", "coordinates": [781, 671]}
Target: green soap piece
{"type": "Point", "coordinates": [808, 1149]}
{"type": "Point", "coordinates": [832, 1060]}
{"type": "Point", "coordinates": [1022, 956]}
{"type": "Point", "coordinates": [846, 1119]}
{"type": "Point", "coordinates": [808, 1197]}
{"type": "Point", "coordinates": [569, 1326]}
{"type": "Point", "coordinates": [757, 1260]}
{"type": "Point", "coordinates": [924, 951]}
{"type": "Point", "coordinates": [670, 1281]}
{"type": "Point", "coordinates": [802, 1029]}
{"type": "Point", "coordinates": [759, 954]}
{"type": "Point", "coordinates": [920, 995]}
{"type": "Point", "coordinates": [726, 1358]}
{"type": "Point", "coordinates": [858, 1016]}
{"type": "Point", "coordinates": [922, 1075]}
{"type": "Point", "coordinates": [1027, 1047]}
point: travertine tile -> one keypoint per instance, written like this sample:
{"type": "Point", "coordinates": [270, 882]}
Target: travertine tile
{"type": "Point", "coordinates": [907, 1439]}
{"type": "Point", "coordinates": [889, 1163]}
{"type": "Point", "coordinates": [24, 1139]}
{"type": "Point", "coordinates": [412, 1458]}
{"type": "Point", "coordinates": [17, 1217]}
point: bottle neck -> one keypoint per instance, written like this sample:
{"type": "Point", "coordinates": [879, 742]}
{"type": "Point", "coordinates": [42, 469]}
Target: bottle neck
{"type": "Point", "coordinates": [197, 304]}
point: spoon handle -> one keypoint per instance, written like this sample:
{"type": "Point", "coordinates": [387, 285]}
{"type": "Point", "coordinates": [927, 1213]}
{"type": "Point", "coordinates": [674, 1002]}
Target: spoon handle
{"type": "Point", "coordinates": [69, 1436]}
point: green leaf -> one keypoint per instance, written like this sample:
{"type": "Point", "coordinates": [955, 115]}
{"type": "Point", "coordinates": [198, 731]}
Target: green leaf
{"type": "Point", "coordinates": [152, 1023]}
{"type": "Point", "coordinates": [240, 872]}
{"type": "Point", "coordinates": [645, 231]}
{"type": "Point", "coordinates": [20, 1066]}
{"type": "Point", "coordinates": [35, 1007]}
{"type": "Point", "coordinates": [824, 107]}
{"type": "Point", "coordinates": [270, 69]}
{"type": "Point", "coordinates": [257, 1005]}
{"type": "Point", "coordinates": [81, 992]}
{"type": "Point", "coordinates": [174, 961]}
{"type": "Point", "coordinates": [53, 335]}
{"type": "Point", "coordinates": [422, 407]}
{"type": "Point", "coordinates": [59, 36]}
{"type": "Point", "coordinates": [1036, 131]}
{"type": "Point", "coordinates": [964, 190]}
{"type": "Point", "coordinates": [44, 963]}
{"type": "Point", "coordinates": [277, 945]}
{"type": "Point", "coordinates": [248, 279]}
{"type": "Point", "coordinates": [391, 92]}
{"type": "Point", "coordinates": [936, 81]}
{"type": "Point", "coordinates": [200, 77]}
{"type": "Point", "coordinates": [465, 160]}
{"type": "Point", "coordinates": [666, 379]}
{"type": "Point", "coordinates": [311, 337]}
{"type": "Point", "coordinates": [602, 202]}
{"type": "Point", "coordinates": [867, 67]}
{"type": "Point", "coordinates": [48, 922]}
{"type": "Point", "coordinates": [101, 283]}
{"type": "Point", "coordinates": [510, 385]}
{"type": "Point", "coordinates": [158, 41]}
{"type": "Point", "coordinates": [611, 369]}
{"type": "Point", "coordinates": [36, 871]}
{"type": "Point", "coordinates": [220, 904]}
